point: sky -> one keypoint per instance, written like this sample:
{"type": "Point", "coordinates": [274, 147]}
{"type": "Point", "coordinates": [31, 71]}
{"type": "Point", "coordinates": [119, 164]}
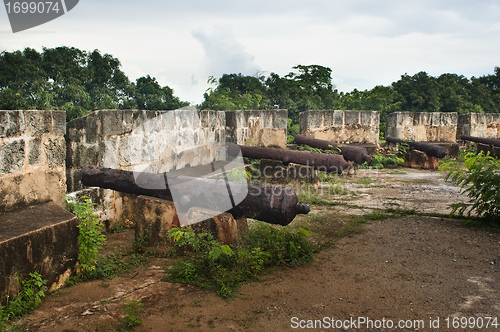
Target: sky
{"type": "Point", "coordinates": [365, 42]}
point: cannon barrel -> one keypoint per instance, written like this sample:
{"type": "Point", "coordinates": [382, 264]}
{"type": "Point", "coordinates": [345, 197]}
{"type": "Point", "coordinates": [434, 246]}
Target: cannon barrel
{"type": "Point", "coordinates": [430, 149]}
{"type": "Point", "coordinates": [482, 140]}
{"type": "Point", "coordinates": [272, 204]}
{"type": "Point", "coordinates": [351, 153]}
{"type": "Point", "coordinates": [331, 163]}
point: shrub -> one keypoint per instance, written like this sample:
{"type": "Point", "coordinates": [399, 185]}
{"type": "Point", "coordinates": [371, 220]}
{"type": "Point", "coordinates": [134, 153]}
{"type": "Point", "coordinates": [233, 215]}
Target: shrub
{"type": "Point", "coordinates": [90, 237]}
{"type": "Point", "coordinates": [479, 178]}
{"type": "Point", "coordinates": [223, 269]}
{"type": "Point", "coordinates": [28, 298]}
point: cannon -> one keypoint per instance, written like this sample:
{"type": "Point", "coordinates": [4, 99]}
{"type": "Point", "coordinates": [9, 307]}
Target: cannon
{"type": "Point", "coordinates": [351, 153]}
{"type": "Point", "coordinates": [331, 163]}
{"type": "Point", "coordinates": [272, 204]}
{"type": "Point", "coordinates": [430, 149]}
{"type": "Point", "coordinates": [487, 141]}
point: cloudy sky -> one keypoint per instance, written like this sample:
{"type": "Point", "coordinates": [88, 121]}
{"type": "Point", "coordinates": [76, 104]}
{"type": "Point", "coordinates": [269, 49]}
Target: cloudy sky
{"type": "Point", "coordinates": [365, 42]}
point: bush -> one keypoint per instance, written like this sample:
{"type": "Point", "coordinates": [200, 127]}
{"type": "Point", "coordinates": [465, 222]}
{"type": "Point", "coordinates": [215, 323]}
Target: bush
{"type": "Point", "coordinates": [479, 178]}
{"type": "Point", "coordinates": [29, 297]}
{"type": "Point", "coordinates": [90, 237]}
{"type": "Point", "coordinates": [211, 265]}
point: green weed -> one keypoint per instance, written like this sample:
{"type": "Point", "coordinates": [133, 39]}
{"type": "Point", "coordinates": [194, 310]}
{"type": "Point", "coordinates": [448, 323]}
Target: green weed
{"type": "Point", "coordinates": [211, 265]}
{"type": "Point", "coordinates": [133, 311]}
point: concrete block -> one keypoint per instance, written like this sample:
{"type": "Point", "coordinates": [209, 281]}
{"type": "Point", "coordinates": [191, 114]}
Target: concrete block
{"type": "Point", "coordinates": [41, 238]}
{"type": "Point", "coordinates": [12, 156]}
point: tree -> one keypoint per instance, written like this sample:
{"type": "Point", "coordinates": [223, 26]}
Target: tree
{"type": "Point", "coordinates": [75, 81]}
{"type": "Point", "coordinates": [418, 93]}
{"type": "Point", "coordinates": [149, 95]}
{"type": "Point", "coordinates": [235, 91]}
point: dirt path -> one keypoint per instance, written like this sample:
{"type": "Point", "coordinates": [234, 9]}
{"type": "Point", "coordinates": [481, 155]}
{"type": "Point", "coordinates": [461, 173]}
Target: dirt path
{"type": "Point", "coordinates": [416, 268]}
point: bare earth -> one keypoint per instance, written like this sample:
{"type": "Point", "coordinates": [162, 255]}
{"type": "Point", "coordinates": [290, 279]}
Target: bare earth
{"type": "Point", "coordinates": [416, 268]}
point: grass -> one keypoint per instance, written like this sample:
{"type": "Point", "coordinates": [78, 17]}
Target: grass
{"type": "Point", "coordinates": [210, 265]}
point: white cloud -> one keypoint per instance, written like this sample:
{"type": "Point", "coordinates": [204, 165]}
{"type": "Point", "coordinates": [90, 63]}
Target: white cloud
{"type": "Point", "coordinates": [224, 53]}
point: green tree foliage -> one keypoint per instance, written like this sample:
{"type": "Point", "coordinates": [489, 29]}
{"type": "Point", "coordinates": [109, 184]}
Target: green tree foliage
{"type": "Point", "coordinates": [149, 95]}
{"type": "Point", "coordinates": [308, 87]}
{"type": "Point", "coordinates": [235, 92]}
{"type": "Point", "coordinates": [76, 81]}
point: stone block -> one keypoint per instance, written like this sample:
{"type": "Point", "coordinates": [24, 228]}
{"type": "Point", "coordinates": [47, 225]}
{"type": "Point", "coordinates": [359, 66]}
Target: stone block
{"type": "Point", "coordinates": [130, 150]}
{"type": "Point", "coordinates": [111, 122]}
{"type": "Point", "coordinates": [92, 128]}
{"type": "Point", "coordinates": [35, 151]}
{"type": "Point", "coordinates": [59, 123]}
{"type": "Point", "coordinates": [168, 122]}
{"type": "Point", "coordinates": [38, 122]}
{"type": "Point", "coordinates": [55, 152]}
{"type": "Point", "coordinates": [128, 121]}
{"type": "Point", "coordinates": [41, 238]}
{"type": "Point", "coordinates": [150, 148]}
{"type": "Point", "coordinates": [280, 119]}
{"type": "Point", "coordinates": [12, 156]}
{"type": "Point", "coordinates": [10, 125]}
{"type": "Point", "coordinates": [328, 119]}
{"type": "Point", "coordinates": [85, 155]}
{"type": "Point", "coordinates": [366, 118]}
{"type": "Point", "coordinates": [352, 118]}
{"type": "Point", "coordinates": [420, 160]}
{"type": "Point", "coordinates": [108, 153]}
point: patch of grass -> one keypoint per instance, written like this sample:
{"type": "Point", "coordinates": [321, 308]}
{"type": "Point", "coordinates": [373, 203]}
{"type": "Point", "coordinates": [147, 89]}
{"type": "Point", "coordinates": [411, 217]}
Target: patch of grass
{"type": "Point", "coordinates": [417, 181]}
{"type": "Point", "coordinates": [364, 181]}
{"type": "Point", "coordinates": [224, 269]}
{"type": "Point", "coordinates": [30, 294]}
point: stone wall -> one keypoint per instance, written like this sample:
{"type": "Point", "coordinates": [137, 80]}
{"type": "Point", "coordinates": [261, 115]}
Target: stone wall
{"type": "Point", "coordinates": [361, 127]}
{"type": "Point", "coordinates": [423, 126]}
{"type": "Point", "coordinates": [32, 154]}
{"type": "Point", "coordinates": [258, 128]}
{"type": "Point", "coordinates": [138, 140]}
{"type": "Point", "coordinates": [486, 125]}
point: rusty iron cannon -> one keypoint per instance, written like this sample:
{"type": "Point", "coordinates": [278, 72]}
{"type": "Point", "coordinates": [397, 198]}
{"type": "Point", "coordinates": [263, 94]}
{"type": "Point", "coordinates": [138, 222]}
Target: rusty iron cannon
{"type": "Point", "coordinates": [351, 153]}
{"type": "Point", "coordinates": [481, 140]}
{"type": "Point", "coordinates": [331, 163]}
{"type": "Point", "coordinates": [430, 149]}
{"type": "Point", "coordinates": [272, 204]}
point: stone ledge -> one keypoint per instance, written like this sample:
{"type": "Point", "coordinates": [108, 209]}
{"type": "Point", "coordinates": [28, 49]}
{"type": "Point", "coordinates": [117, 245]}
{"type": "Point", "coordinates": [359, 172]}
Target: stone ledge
{"type": "Point", "coordinates": [41, 238]}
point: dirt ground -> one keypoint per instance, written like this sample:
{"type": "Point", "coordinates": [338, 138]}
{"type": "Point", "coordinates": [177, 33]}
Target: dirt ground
{"type": "Point", "coordinates": [413, 270]}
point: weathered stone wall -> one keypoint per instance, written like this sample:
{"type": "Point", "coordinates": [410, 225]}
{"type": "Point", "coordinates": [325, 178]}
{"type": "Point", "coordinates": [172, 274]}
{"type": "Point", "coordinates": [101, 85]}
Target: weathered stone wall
{"type": "Point", "coordinates": [339, 126]}
{"type": "Point", "coordinates": [257, 127]}
{"type": "Point", "coordinates": [486, 125]}
{"type": "Point", "coordinates": [138, 140]}
{"type": "Point", "coordinates": [423, 126]}
{"type": "Point", "coordinates": [32, 155]}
